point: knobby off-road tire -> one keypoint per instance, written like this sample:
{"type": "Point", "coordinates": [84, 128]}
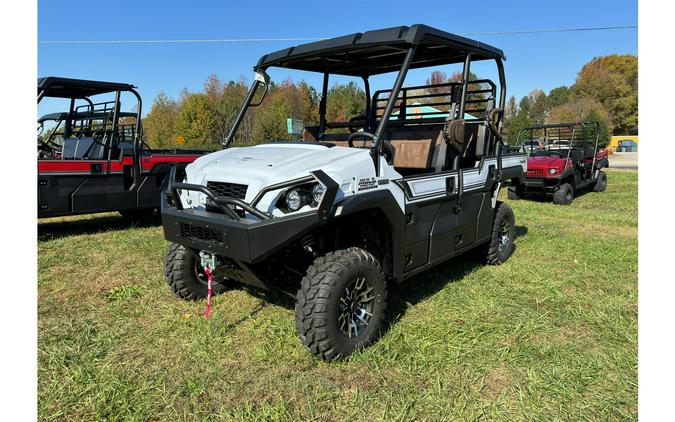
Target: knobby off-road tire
{"type": "Point", "coordinates": [186, 277]}
{"type": "Point", "coordinates": [564, 195]}
{"type": "Point", "coordinates": [501, 244]}
{"type": "Point", "coordinates": [601, 183]}
{"type": "Point", "coordinates": [338, 288]}
{"type": "Point", "coordinates": [514, 193]}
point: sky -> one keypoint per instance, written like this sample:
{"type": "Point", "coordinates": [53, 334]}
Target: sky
{"type": "Point", "coordinates": [534, 61]}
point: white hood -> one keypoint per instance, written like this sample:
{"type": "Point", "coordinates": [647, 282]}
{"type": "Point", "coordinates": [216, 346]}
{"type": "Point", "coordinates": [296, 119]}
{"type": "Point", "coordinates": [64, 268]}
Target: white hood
{"type": "Point", "coordinates": [263, 165]}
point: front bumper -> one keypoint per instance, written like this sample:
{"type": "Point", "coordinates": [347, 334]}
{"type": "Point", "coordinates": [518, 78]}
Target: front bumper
{"type": "Point", "coordinates": [242, 239]}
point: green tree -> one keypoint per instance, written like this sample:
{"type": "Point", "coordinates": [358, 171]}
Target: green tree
{"type": "Point", "coordinates": [159, 127]}
{"type": "Point", "coordinates": [345, 101]}
{"type": "Point", "coordinates": [584, 109]}
{"type": "Point", "coordinates": [613, 81]}
{"type": "Point", "coordinates": [196, 121]}
{"type": "Point", "coordinates": [558, 96]}
{"type": "Point", "coordinates": [270, 121]}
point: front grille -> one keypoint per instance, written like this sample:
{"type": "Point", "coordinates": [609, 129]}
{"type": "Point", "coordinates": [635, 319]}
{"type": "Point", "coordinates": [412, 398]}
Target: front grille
{"type": "Point", "coordinates": [196, 232]}
{"type": "Point", "coordinates": [233, 190]}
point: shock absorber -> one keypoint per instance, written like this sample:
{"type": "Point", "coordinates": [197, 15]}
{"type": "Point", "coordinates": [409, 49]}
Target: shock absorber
{"type": "Point", "coordinates": [309, 244]}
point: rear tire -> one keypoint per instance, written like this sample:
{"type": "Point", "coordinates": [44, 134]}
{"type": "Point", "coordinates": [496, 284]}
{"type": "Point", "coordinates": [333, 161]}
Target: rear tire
{"type": "Point", "coordinates": [341, 303]}
{"type": "Point", "coordinates": [601, 184]}
{"type": "Point", "coordinates": [501, 244]}
{"type": "Point", "coordinates": [185, 276]}
{"type": "Point", "coordinates": [564, 195]}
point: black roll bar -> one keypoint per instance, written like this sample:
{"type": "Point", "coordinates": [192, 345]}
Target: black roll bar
{"type": "Point", "coordinates": [322, 106]}
{"type": "Point", "coordinates": [242, 111]}
{"type": "Point", "coordinates": [379, 132]}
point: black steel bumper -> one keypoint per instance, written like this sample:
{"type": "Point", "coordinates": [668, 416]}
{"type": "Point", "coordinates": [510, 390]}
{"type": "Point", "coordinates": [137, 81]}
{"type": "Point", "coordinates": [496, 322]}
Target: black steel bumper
{"type": "Point", "coordinates": [242, 239]}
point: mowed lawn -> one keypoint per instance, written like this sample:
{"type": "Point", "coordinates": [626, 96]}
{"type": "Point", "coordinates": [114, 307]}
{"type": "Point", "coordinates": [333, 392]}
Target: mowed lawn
{"type": "Point", "coordinates": [549, 335]}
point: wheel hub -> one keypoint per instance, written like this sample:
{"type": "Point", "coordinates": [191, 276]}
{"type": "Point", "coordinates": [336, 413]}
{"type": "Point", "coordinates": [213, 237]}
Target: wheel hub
{"type": "Point", "coordinates": [503, 234]}
{"type": "Point", "coordinates": [355, 309]}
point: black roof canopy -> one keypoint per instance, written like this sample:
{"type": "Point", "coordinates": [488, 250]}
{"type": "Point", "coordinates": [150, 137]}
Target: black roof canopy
{"type": "Point", "coordinates": [77, 88]}
{"type": "Point", "coordinates": [380, 51]}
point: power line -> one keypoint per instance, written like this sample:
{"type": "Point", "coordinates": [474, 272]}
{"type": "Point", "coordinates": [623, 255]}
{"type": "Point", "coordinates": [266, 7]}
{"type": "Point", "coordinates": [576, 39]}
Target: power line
{"type": "Point", "coordinates": [539, 31]}
{"type": "Point", "coordinates": [256, 40]}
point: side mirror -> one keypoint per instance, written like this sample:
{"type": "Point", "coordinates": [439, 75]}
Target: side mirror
{"type": "Point", "coordinates": [264, 79]}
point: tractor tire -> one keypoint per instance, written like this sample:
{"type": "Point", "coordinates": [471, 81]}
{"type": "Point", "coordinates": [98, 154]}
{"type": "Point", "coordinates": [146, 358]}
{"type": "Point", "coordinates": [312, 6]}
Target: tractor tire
{"type": "Point", "coordinates": [564, 195]}
{"type": "Point", "coordinates": [185, 276]}
{"type": "Point", "coordinates": [138, 215]}
{"type": "Point", "coordinates": [514, 193]}
{"type": "Point", "coordinates": [601, 184]}
{"type": "Point", "coordinates": [501, 244]}
{"type": "Point", "coordinates": [341, 303]}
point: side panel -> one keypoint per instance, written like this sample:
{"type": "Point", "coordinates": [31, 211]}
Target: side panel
{"type": "Point", "coordinates": [71, 187]}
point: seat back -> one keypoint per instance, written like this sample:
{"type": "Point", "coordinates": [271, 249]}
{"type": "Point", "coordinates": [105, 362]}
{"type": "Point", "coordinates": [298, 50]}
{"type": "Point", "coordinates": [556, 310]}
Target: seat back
{"type": "Point", "coordinates": [84, 146]}
{"type": "Point", "coordinates": [416, 148]}
{"type": "Point", "coordinates": [69, 149]}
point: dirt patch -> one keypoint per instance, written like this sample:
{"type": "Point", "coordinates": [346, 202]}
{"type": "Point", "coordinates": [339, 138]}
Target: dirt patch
{"type": "Point", "coordinates": [496, 381]}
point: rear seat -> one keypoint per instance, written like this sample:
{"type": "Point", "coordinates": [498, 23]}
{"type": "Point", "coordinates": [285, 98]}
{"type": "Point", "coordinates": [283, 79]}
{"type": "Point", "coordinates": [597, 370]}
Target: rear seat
{"type": "Point", "coordinates": [420, 148]}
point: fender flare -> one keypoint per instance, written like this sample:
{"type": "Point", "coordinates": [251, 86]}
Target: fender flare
{"type": "Point", "coordinates": [383, 201]}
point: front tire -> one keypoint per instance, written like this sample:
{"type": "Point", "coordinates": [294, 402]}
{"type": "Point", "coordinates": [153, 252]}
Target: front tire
{"type": "Point", "coordinates": [564, 195]}
{"type": "Point", "coordinates": [185, 275]}
{"type": "Point", "coordinates": [601, 183]}
{"type": "Point", "coordinates": [341, 303]}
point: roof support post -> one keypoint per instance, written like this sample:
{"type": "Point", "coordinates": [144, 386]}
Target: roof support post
{"type": "Point", "coordinates": [322, 106]}
{"type": "Point", "coordinates": [379, 133]}
{"type": "Point", "coordinates": [242, 111]}
{"type": "Point", "coordinates": [366, 84]}
{"type": "Point", "coordinates": [465, 82]}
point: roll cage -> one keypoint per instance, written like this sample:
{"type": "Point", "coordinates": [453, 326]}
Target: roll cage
{"type": "Point", "coordinates": [564, 139]}
{"type": "Point", "coordinates": [388, 50]}
{"type": "Point", "coordinates": [95, 118]}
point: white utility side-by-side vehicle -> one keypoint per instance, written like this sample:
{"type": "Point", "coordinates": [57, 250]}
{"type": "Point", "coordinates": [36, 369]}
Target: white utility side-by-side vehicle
{"type": "Point", "coordinates": [334, 219]}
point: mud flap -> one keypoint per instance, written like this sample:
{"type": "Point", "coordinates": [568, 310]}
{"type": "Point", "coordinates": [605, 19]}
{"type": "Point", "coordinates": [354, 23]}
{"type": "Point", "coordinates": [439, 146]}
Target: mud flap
{"type": "Point", "coordinates": [495, 194]}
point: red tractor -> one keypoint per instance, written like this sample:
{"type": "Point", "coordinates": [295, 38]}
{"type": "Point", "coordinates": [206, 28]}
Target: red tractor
{"type": "Point", "coordinates": [566, 161]}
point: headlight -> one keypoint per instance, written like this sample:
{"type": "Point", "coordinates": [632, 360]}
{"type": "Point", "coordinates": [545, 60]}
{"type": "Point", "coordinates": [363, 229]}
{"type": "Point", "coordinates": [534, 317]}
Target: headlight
{"type": "Point", "coordinates": [294, 200]}
{"type": "Point", "coordinates": [552, 171]}
{"type": "Point", "coordinates": [317, 192]}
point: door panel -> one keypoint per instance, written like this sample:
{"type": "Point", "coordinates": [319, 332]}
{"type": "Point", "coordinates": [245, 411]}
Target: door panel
{"type": "Point", "coordinates": [431, 219]}
{"type": "Point", "coordinates": [469, 208]}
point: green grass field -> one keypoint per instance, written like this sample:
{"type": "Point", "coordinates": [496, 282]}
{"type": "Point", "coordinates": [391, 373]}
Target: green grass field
{"type": "Point", "coordinates": [549, 335]}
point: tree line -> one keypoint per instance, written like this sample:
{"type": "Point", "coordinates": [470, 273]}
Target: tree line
{"type": "Point", "coordinates": [605, 90]}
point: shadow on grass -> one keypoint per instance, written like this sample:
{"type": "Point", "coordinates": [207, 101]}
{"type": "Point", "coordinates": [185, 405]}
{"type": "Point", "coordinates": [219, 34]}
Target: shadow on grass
{"type": "Point", "coordinates": [92, 225]}
{"type": "Point", "coordinates": [401, 296]}
{"type": "Point", "coordinates": [548, 198]}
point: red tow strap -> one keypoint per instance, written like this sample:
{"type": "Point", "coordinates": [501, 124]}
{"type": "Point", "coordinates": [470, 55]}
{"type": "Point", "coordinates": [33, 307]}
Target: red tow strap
{"type": "Point", "coordinates": [209, 275]}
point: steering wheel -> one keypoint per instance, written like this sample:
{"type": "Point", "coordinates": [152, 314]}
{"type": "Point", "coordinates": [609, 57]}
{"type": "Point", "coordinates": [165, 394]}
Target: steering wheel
{"type": "Point", "coordinates": [352, 129]}
{"type": "Point", "coordinates": [350, 140]}
{"type": "Point", "coordinates": [554, 153]}
{"type": "Point", "coordinates": [45, 148]}
{"type": "Point", "coordinates": [387, 150]}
